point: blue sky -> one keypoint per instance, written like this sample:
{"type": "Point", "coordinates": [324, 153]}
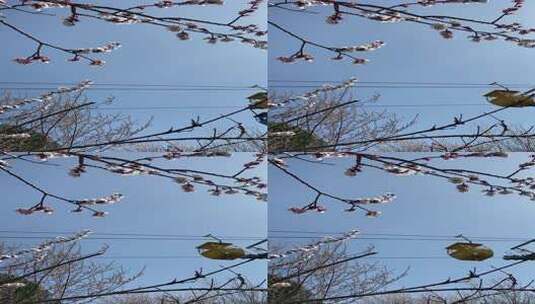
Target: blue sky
{"type": "Point", "coordinates": [149, 55]}
{"type": "Point", "coordinates": [424, 205]}
{"type": "Point", "coordinates": [152, 205]}
{"type": "Point", "coordinates": [413, 53]}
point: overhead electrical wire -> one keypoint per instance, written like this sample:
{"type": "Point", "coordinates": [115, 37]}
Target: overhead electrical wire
{"type": "Point", "coordinates": [363, 106]}
{"type": "Point", "coordinates": [202, 89]}
{"type": "Point", "coordinates": [185, 89]}
{"type": "Point", "coordinates": [156, 257]}
{"type": "Point", "coordinates": [179, 85]}
{"type": "Point", "coordinates": [160, 87]}
{"type": "Point", "coordinates": [403, 82]}
{"type": "Point", "coordinates": [189, 237]}
{"type": "Point", "coordinates": [118, 86]}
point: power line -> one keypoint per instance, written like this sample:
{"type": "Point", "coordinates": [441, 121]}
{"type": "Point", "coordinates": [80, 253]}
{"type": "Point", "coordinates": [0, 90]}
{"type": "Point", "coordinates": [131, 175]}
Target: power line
{"type": "Point", "coordinates": [320, 233]}
{"type": "Point", "coordinates": [115, 233]}
{"type": "Point", "coordinates": [165, 108]}
{"type": "Point", "coordinates": [416, 236]}
{"type": "Point", "coordinates": [136, 238]}
{"type": "Point", "coordinates": [150, 257]}
{"type": "Point", "coordinates": [134, 89]}
{"type": "Point", "coordinates": [118, 84]}
{"type": "Point", "coordinates": [179, 89]}
{"type": "Point", "coordinates": [156, 87]}
{"type": "Point", "coordinates": [363, 106]}
{"type": "Point", "coordinates": [402, 86]}
{"type": "Point", "coordinates": [170, 237]}
{"type": "Point", "coordinates": [121, 236]}
{"type": "Point", "coordinates": [270, 238]}
{"type": "Point", "coordinates": [450, 239]}
{"type": "Point", "coordinates": [182, 85]}
{"type": "Point", "coordinates": [341, 232]}
{"type": "Point", "coordinates": [401, 82]}
{"type": "Point", "coordinates": [171, 257]}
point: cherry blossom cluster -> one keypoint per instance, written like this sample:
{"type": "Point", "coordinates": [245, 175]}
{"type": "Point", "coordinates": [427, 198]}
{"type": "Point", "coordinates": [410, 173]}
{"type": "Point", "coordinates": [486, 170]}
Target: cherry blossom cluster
{"type": "Point", "coordinates": [447, 25]}
{"type": "Point", "coordinates": [15, 284]}
{"type": "Point", "coordinates": [281, 162]}
{"type": "Point", "coordinates": [523, 187]}
{"type": "Point", "coordinates": [82, 85]}
{"type": "Point", "coordinates": [117, 18]}
{"type": "Point", "coordinates": [35, 209]}
{"type": "Point", "coordinates": [282, 134]}
{"type": "Point", "coordinates": [169, 3]}
{"type": "Point", "coordinates": [315, 205]}
{"type": "Point", "coordinates": [46, 246]}
{"type": "Point", "coordinates": [128, 169]}
{"type": "Point", "coordinates": [463, 179]}
{"type": "Point", "coordinates": [329, 88]}
{"type": "Point", "coordinates": [17, 104]}
{"type": "Point", "coordinates": [354, 205]}
{"type": "Point", "coordinates": [434, 2]}
{"type": "Point", "coordinates": [254, 5]}
{"type": "Point", "coordinates": [476, 30]}
{"type": "Point", "coordinates": [310, 249]}
{"type": "Point", "coordinates": [326, 88]}
{"type": "Point", "coordinates": [15, 136]}
{"type": "Point", "coordinates": [330, 154]}
{"type": "Point", "coordinates": [212, 31]}
{"type": "Point", "coordinates": [310, 207]}
{"type": "Point", "coordinates": [45, 156]}
{"type": "Point", "coordinates": [446, 31]}
{"type": "Point", "coordinates": [341, 52]}
{"type": "Point", "coordinates": [41, 5]}
{"type": "Point", "coordinates": [381, 199]}
{"type": "Point", "coordinates": [298, 56]}
{"type": "Point", "coordinates": [46, 97]}
{"type": "Point", "coordinates": [107, 48]}
{"type": "Point", "coordinates": [516, 5]}
{"type": "Point", "coordinates": [456, 155]}
{"type": "Point", "coordinates": [81, 205]}
{"type": "Point", "coordinates": [176, 154]}
{"type": "Point", "coordinates": [257, 183]}
{"type": "Point", "coordinates": [387, 17]}
{"type": "Point", "coordinates": [245, 186]}
{"type": "Point", "coordinates": [187, 179]}
{"type": "Point", "coordinates": [77, 54]}
{"type": "Point", "coordinates": [32, 59]}
{"type": "Point", "coordinates": [308, 3]}
{"type": "Point", "coordinates": [359, 48]}
{"type": "Point", "coordinates": [107, 200]}
{"type": "Point", "coordinates": [403, 170]}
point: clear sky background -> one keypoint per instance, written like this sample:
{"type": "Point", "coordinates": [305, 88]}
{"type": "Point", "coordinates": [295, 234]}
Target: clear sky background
{"type": "Point", "coordinates": [424, 206]}
{"type": "Point", "coordinates": [149, 55]}
{"type": "Point", "coordinates": [413, 53]}
{"type": "Point", "coordinates": [152, 205]}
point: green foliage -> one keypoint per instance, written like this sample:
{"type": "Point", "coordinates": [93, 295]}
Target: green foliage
{"type": "Point", "coordinates": [294, 292]}
{"type": "Point", "coordinates": [29, 293]}
{"type": "Point", "coordinates": [300, 141]}
{"type": "Point", "coordinates": [36, 142]}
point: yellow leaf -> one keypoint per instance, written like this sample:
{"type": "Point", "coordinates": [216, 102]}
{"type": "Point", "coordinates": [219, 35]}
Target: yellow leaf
{"type": "Point", "coordinates": [259, 100]}
{"type": "Point", "coordinates": [221, 251]}
{"type": "Point", "coordinates": [469, 251]}
{"type": "Point", "coordinates": [505, 98]}
{"type": "Point", "coordinates": [213, 245]}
